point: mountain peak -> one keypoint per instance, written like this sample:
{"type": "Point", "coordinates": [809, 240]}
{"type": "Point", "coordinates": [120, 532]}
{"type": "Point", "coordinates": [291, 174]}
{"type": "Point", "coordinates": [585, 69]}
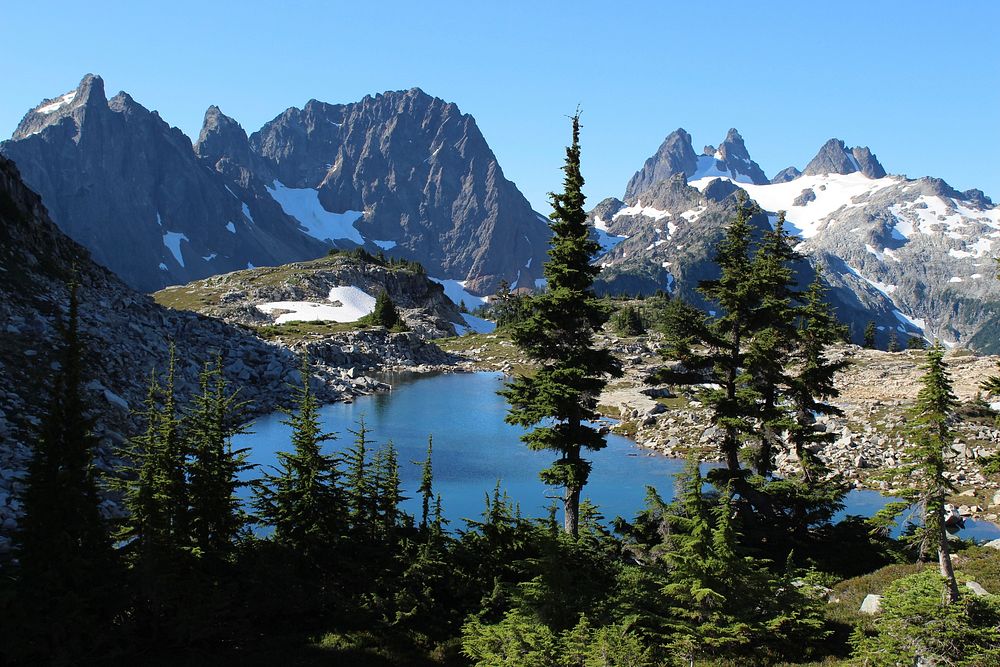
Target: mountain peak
{"type": "Point", "coordinates": [675, 155]}
{"type": "Point", "coordinates": [89, 93]}
{"type": "Point", "coordinates": [834, 157]}
{"type": "Point", "coordinates": [221, 135]}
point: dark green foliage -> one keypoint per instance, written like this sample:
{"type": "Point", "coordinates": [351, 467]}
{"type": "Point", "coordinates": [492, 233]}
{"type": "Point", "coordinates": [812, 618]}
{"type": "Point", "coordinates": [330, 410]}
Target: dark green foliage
{"type": "Point", "coordinates": [216, 513]}
{"type": "Point", "coordinates": [869, 339]}
{"type": "Point", "coordinates": [716, 600]}
{"type": "Point", "coordinates": [893, 342]}
{"type": "Point", "coordinates": [385, 313]}
{"type": "Point", "coordinates": [302, 499]}
{"type": "Point", "coordinates": [505, 308]}
{"type": "Point", "coordinates": [814, 385]}
{"type": "Point", "coordinates": [65, 603]}
{"type": "Point", "coordinates": [561, 397]}
{"type": "Point", "coordinates": [930, 433]}
{"type": "Point", "coordinates": [991, 385]}
{"type": "Point", "coordinates": [916, 343]}
{"type": "Point", "coordinates": [916, 625]}
{"type": "Point", "coordinates": [628, 322]}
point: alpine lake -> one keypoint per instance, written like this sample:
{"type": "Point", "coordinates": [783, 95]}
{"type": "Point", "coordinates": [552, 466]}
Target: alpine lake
{"type": "Point", "coordinates": [475, 451]}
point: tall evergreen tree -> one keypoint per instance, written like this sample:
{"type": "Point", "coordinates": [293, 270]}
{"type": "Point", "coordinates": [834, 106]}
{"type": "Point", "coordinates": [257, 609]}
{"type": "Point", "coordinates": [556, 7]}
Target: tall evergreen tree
{"type": "Point", "coordinates": [302, 498]}
{"type": "Point", "coordinates": [426, 488]}
{"type": "Point", "coordinates": [155, 530]}
{"type": "Point", "coordinates": [869, 340]}
{"type": "Point", "coordinates": [359, 486]}
{"type": "Point", "coordinates": [813, 385]}
{"type": "Point", "coordinates": [558, 335]}
{"type": "Point", "coordinates": [719, 345]}
{"type": "Point", "coordinates": [932, 433]}
{"type": "Point", "coordinates": [62, 543]}
{"type": "Point", "coordinates": [774, 338]}
{"type": "Point", "coordinates": [893, 342]}
{"type": "Point", "coordinates": [217, 516]}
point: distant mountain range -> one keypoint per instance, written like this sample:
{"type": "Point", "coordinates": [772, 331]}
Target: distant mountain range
{"type": "Point", "coordinates": [401, 172]}
{"type": "Point", "coordinates": [915, 255]}
{"type": "Point", "coordinates": [409, 175]}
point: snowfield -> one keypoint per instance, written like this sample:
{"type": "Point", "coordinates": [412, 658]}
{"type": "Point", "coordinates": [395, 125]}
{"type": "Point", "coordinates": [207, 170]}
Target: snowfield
{"type": "Point", "coordinates": [303, 205]}
{"type": "Point", "coordinates": [476, 324]}
{"type": "Point", "coordinates": [832, 192]}
{"type": "Point", "coordinates": [455, 290]}
{"type": "Point", "coordinates": [173, 242]}
{"type": "Point", "coordinates": [353, 305]}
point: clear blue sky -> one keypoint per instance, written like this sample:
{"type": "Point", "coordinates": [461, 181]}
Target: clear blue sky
{"type": "Point", "coordinates": [918, 82]}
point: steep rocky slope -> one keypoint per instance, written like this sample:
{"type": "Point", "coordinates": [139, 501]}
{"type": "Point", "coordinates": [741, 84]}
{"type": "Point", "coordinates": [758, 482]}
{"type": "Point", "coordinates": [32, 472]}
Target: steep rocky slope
{"type": "Point", "coordinates": [403, 172]}
{"type": "Point", "coordinates": [125, 333]}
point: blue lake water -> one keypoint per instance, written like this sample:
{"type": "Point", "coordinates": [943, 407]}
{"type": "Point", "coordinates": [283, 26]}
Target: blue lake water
{"type": "Point", "coordinates": [474, 449]}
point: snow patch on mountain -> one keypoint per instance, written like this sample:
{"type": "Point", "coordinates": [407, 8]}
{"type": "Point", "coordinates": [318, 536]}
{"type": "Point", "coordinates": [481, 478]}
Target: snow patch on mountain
{"type": "Point", "coordinates": [639, 209]}
{"type": "Point", "coordinates": [832, 192]}
{"type": "Point", "coordinates": [57, 103]}
{"type": "Point", "coordinates": [303, 204]}
{"type": "Point", "coordinates": [349, 304]}
{"type": "Point", "coordinates": [607, 240]}
{"type": "Point", "coordinates": [246, 212]}
{"type": "Point", "coordinates": [173, 242]}
{"type": "Point", "coordinates": [455, 290]}
{"type": "Point", "coordinates": [385, 245]}
{"type": "Point", "coordinates": [708, 167]}
{"type": "Point", "coordinates": [476, 324]}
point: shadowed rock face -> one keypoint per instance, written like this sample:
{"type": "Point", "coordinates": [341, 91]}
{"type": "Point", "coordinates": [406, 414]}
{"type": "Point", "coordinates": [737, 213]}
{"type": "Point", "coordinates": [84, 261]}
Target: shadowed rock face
{"type": "Point", "coordinates": [675, 156]}
{"type": "Point", "coordinates": [159, 211]}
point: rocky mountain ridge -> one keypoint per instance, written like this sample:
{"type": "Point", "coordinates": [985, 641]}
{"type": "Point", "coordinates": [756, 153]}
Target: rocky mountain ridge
{"type": "Point", "coordinates": [914, 255]}
{"type": "Point", "coordinates": [401, 172]}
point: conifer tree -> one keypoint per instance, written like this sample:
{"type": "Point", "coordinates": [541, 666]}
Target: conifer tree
{"type": "Point", "coordinates": [558, 335]}
{"type": "Point", "coordinates": [155, 531]}
{"type": "Point", "coordinates": [869, 340]}
{"type": "Point", "coordinates": [63, 546]}
{"type": "Point", "coordinates": [932, 433]}
{"type": "Point", "coordinates": [426, 488]}
{"type": "Point", "coordinates": [991, 385]}
{"type": "Point", "coordinates": [719, 345]}
{"type": "Point", "coordinates": [358, 485]}
{"type": "Point", "coordinates": [774, 338]}
{"type": "Point", "coordinates": [813, 385]}
{"type": "Point", "coordinates": [893, 342]}
{"type": "Point", "coordinates": [385, 313]}
{"type": "Point", "coordinates": [302, 498]}
{"type": "Point", "coordinates": [387, 491]}
{"type": "Point", "coordinates": [216, 514]}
